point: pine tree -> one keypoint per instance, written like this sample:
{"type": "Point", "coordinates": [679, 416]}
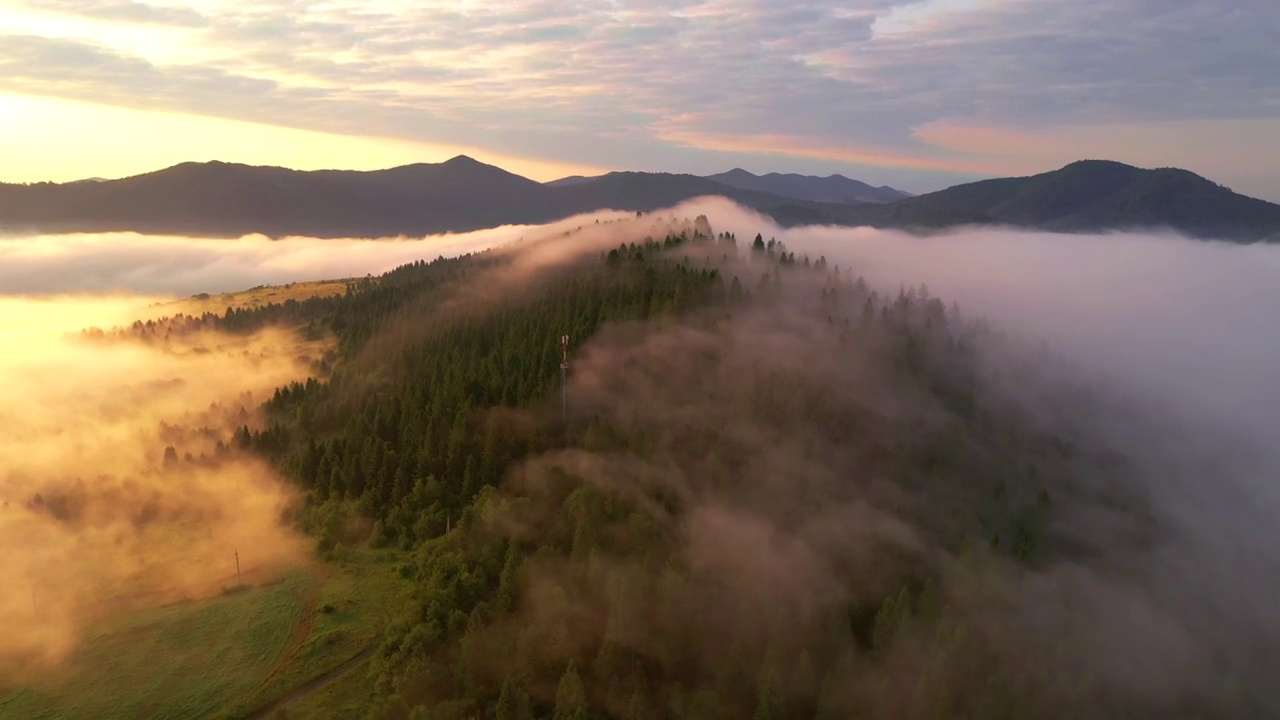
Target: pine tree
{"type": "Point", "coordinates": [767, 705]}
{"type": "Point", "coordinates": [571, 698]}
{"type": "Point", "coordinates": [505, 707]}
{"type": "Point", "coordinates": [639, 707]}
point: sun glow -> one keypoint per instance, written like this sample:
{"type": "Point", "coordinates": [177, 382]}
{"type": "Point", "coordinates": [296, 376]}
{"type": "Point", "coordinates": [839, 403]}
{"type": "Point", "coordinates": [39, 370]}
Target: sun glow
{"type": "Point", "coordinates": [48, 139]}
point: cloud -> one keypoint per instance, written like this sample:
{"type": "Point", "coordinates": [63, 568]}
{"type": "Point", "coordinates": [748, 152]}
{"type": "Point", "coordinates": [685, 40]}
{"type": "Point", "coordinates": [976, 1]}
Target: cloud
{"type": "Point", "coordinates": [114, 262]}
{"type": "Point", "coordinates": [129, 11]}
{"type": "Point", "coordinates": [601, 84]}
{"type": "Point", "coordinates": [804, 147]}
{"type": "Point", "coordinates": [96, 518]}
{"type": "Point", "coordinates": [1244, 149]}
{"type": "Point", "coordinates": [43, 140]}
{"type": "Point", "coordinates": [1179, 317]}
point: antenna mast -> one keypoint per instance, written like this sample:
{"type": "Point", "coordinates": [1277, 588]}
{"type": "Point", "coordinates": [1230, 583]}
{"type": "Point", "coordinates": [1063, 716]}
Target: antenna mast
{"type": "Point", "coordinates": [564, 382]}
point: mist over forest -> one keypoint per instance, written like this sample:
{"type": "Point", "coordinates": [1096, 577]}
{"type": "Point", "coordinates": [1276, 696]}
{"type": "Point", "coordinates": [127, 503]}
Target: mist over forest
{"type": "Point", "coordinates": [806, 472]}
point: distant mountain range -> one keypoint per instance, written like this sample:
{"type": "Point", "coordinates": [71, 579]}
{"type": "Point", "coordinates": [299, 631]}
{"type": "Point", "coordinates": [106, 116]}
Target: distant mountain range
{"type": "Point", "coordinates": [220, 199]}
{"type": "Point", "coordinates": [831, 189]}
{"type": "Point", "coordinates": [1089, 195]}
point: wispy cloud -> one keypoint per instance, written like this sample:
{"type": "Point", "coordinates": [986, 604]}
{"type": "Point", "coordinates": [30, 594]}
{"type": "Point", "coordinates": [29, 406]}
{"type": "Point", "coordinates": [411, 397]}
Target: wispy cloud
{"type": "Point", "coordinates": [129, 11]}
{"type": "Point", "coordinates": [801, 146]}
{"type": "Point", "coordinates": [610, 84]}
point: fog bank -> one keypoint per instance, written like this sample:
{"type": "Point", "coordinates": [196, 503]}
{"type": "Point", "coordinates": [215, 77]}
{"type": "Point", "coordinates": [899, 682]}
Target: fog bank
{"type": "Point", "coordinates": [159, 264]}
{"type": "Point", "coordinates": [1185, 319]}
{"type": "Point", "coordinates": [117, 489]}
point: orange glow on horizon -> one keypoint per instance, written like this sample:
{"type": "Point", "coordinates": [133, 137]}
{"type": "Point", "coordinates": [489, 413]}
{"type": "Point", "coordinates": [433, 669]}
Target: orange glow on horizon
{"type": "Point", "coordinates": [50, 139]}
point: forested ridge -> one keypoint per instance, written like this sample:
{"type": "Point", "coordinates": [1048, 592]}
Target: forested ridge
{"type": "Point", "coordinates": [779, 493]}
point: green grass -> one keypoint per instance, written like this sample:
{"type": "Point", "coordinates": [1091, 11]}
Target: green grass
{"type": "Point", "coordinates": [225, 656]}
{"type": "Point", "coordinates": [257, 297]}
{"type": "Point", "coordinates": [180, 661]}
{"type": "Point", "coordinates": [361, 596]}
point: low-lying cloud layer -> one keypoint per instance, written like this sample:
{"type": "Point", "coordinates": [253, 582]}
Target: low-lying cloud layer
{"type": "Point", "coordinates": [1181, 318]}
{"type": "Point", "coordinates": [117, 489]}
{"type": "Point", "coordinates": [151, 264]}
{"type": "Point", "coordinates": [1175, 327]}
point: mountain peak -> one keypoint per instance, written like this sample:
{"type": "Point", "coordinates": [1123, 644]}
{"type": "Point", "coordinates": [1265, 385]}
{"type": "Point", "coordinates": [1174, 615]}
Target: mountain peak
{"type": "Point", "coordinates": [832, 188]}
{"type": "Point", "coordinates": [1093, 162]}
{"type": "Point", "coordinates": [1094, 195]}
{"type": "Point", "coordinates": [1098, 166]}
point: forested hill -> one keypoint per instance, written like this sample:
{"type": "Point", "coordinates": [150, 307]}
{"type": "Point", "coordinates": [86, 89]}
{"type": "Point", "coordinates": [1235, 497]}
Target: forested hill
{"type": "Point", "coordinates": [777, 492]}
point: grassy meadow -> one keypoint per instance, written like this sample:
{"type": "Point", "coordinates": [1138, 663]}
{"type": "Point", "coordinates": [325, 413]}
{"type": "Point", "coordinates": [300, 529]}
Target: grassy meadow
{"type": "Point", "coordinates": [255, 297]}
{"type": "Point", "coordinates": [222, 657]}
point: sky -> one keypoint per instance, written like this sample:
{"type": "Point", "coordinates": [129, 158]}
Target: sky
{"type": "Point", "coordinates": [917, 94]}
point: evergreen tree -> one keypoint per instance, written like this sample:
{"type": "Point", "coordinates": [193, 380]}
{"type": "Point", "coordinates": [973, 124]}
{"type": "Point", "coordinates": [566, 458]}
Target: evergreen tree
{"type": "Point", "coordinates": [768, 706]}
{"type": "Point", "coordinates": [571, 699]}
{"type": "Point", "coordinates": [504, 708]}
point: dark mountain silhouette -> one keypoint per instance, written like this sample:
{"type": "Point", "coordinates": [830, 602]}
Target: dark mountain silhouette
{"type": "Point", "coordinates": [652, 191]}
{"type": "Point", "coordinates": [833, 188]}
{"type": "Point", "coordinates": [830, 189]}
{"type": "Point", "coordinates": [570, 180]}
{"type": "Point", "coordinates": [225, 199]}
{"type": "Point", "coordinates": [462, 194]}
{"type": "Point", "coordinates": [1089, 195]}
{"type": "Point", "coordinates": [219, 198]}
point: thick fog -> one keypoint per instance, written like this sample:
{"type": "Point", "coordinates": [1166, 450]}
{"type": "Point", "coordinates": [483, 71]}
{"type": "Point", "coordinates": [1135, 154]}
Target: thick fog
{"type": "Point", "coordinates": [1183, 327]}
{"type": "Point", "coordinates": [169, 265]}
{"type": "Point", "coordinates": [115, 492]}
{"type": "Point", "coordinates": [1191, 320]}
{"type": "Point", "coordinates": [1179, 338]}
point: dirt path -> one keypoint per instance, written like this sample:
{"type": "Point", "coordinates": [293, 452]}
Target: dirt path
{"type": "Point", "coordinates": [315, 684]}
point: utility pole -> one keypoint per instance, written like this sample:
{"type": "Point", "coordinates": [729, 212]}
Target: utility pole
{"type": "Point", "coordinates": [238, 581]}
{"type": "Point", "coordinates": [564, 375]}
